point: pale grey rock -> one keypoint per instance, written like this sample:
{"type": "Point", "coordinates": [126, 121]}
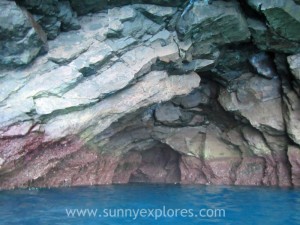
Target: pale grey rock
{"type": "Point", "coordinates": [258, 100]}
{"type": "Point", "coordinates": [163, 35]}
{"type": "Point", "coordinates": [294, 63]}
{"type": "Point", "coordinates": [14, 80]}
{"type": "Point", "coordinates": [197, 65]}
{"type": "Point", "coordinates": [115, 29]}
{"type": "Point", "coordinates": [15, 111]}
{"type": "Point", "coordinates": [9, 85]}
{"type": "Point", "coordinates": [93, 120]}
{"type": "Point", "coordinates": [67, 47]}
{"type": "Point", "coordinates": [17, 130]}
{"type": "Point", "coordinates": [277, 144]}
{"type": "Point", "coordinates": [215, 148]}
{"type": "Point", "coordinates": [140, 26]}
{"type": "Point", "coordinates": [292, 115]}
{"type": "Point", "coordinates": [92, 65]}
{"type": "Point", "coordinates": [134, 64]}
{"type": "Point", "coordinates": [157, 13]}
{"type": "Point", "coordinates": [94, 25]}
{"type": "Point", "coordinates": [1, 162]}
{"type": "Point", "coordinates": [141, 58]}
{"type": "Point", "coordinates": [167, 114]}
{"type": "Point", "coordinates": [255, 142]}
{"type": "Point", "coordinates": [122, 14]}
{"type": "Point", "coordinates": [89, 62]}
{"type": "Point", "coordinates": [55, 82]}
{"type": "Point", "coordinates": [186, 140]}
{"type": "Point", "coordinates": [120, 45]}
{"type": "Point", "coordinates": [200, 142]}
{"type": "Point", "coordinates": [249, 90]}
{"type": "Point", "coordinates": [266, 116]}
{"type": "Point", "coordinates": [67, 17]}
{"type": "Point", "coordinates": [194, 99]}
{"type": "Point", "coordinates": [49, 104]}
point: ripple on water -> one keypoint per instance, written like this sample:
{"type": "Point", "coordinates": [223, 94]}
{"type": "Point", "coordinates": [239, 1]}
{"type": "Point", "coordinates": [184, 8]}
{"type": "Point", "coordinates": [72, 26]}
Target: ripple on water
{"type": "Point", "coordinates": [243, 205]}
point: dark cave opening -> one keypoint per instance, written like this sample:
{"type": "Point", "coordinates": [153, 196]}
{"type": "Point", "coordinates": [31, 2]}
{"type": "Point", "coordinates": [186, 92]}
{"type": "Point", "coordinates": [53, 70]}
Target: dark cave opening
{"type": "Point", "coordinates": [159, 164]}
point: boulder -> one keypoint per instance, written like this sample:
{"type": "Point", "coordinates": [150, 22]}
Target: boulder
{"type": "Point", "coordinates": [217, 23]}
{"type": "Point", "coordinates": [267, 39]}
{"type": "Point", "coordinates": [46, 7]}
{"type": "Point", "coordinates": [194, 99]}
{"type": "Point", "coordinates": [158, 14]}
{"type": "Point", "coordinates": [257, 100]}
{"type": "Point", "coordinates": [167, 114]}
{"type": "Point", "coordinates": [21, 38]}
{"type": "Point", "coordinates": [67, 17]}
{"type": "Point", "coordinates": [185, 140]}
{"type": "Point", "coordinates": [263, 65]}
{"type": "Point", "coordinates": [53, 16]}
{"type": "Point", "coordinates": [50, 24]}
{"type": "Point", "coordinates": [232, 62]}
{"type": "Point", "coordinates": [283, 16]}
{"type": "Point", "coordinates": [255, 142]}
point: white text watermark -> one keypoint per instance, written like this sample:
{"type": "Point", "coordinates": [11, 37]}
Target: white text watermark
{"type": "Point", "coordinates": [155, 213]}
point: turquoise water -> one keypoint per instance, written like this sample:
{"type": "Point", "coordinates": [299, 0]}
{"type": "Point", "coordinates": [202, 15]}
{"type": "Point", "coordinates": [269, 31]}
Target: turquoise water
{"type": "Point", "coordinates": [242, 205]}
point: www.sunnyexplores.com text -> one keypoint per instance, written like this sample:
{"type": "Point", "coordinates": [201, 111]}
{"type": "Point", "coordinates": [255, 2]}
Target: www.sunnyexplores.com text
{"type": "Point", "coordinates": [155, 213]}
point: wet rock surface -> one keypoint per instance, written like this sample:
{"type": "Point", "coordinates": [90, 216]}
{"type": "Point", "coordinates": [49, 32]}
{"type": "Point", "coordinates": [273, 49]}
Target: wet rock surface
{"type": "Point", "coordinates": [130, 91]}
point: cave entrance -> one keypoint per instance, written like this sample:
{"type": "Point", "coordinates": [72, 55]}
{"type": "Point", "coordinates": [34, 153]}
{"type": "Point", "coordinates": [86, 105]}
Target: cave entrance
{"type": "Point", "coordinates": [159, 164]}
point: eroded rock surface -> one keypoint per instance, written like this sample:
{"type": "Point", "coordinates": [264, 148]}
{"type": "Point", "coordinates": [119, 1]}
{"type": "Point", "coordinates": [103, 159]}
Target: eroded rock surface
{"type": "Point", "coordinates": [138, 93]}
{"type": "Point", "coordinates": [283, 19]}
{"type": "Point", "coordinates": [21, 38]}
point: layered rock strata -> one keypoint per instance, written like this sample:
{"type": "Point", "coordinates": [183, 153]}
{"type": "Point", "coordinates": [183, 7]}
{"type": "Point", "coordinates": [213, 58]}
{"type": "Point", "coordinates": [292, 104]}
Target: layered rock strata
{"type": "Point", "coordinates": [138, 93]}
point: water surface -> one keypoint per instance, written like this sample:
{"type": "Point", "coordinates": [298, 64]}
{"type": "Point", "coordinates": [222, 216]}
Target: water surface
{"type": "Point", "coordinates": [242, 205]}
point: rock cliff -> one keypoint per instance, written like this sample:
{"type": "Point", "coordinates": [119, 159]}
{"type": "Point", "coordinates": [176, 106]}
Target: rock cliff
{"type": "Point", "coordinates": [100, 92]}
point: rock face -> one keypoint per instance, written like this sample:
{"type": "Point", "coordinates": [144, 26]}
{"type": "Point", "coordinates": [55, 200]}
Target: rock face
{"type": "Point", "coordinates": [283, 19]}
{"type": "Point", "coordinates": [52, 15]}
{"type": "Point", "coordinates": [135, 92]}
{"type": "Point", "coordinates": [294, 154]}
{"type": "Point", "coordinates": [230, 23]}
{"type": "Point", "coordinates": [87, 6]}
{"type": "Point", "coordinates": [274, 11]}
{"type": "Point", "coordinates": [21, 38]}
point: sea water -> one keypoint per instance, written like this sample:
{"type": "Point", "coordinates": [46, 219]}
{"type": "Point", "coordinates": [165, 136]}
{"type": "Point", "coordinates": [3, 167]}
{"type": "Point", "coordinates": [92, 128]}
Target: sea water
{"type": "Point", "coordinates": [151, 204]}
